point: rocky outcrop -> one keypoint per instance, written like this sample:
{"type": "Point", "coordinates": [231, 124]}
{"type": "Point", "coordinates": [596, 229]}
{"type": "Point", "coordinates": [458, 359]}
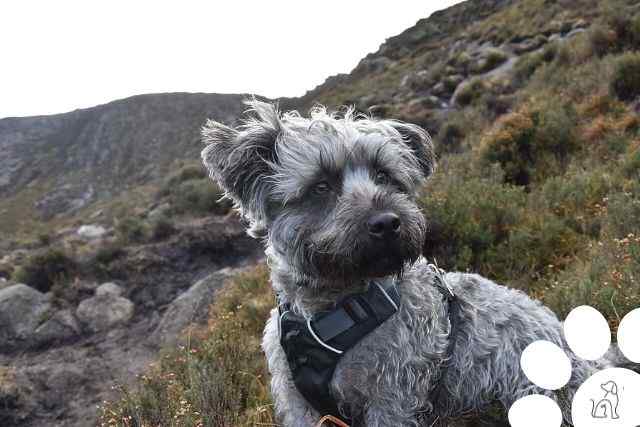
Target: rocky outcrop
{"type": "Point", "coordinates": [190, 307]}
{"type": "Point", "coordinates": [67, 351]}
{"type": "Point", "coordinates": [104, 311]}
{"type": "Point", "coordinates": [91, 231]}
{"type": "Point", "coordinates": [109, 288]}
{"type": "Point", "coordinates": [61, 326]}
{"type": "Point", "coordinates": [22, 310]}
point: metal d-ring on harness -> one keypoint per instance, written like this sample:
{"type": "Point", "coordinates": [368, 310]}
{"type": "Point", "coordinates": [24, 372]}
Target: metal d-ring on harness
{"type": "Point", "coordinates": [314, 346]}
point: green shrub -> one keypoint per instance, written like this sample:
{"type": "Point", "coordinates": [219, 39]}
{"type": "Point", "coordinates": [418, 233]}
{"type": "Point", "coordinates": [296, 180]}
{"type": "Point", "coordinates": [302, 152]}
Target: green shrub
{"type": "Point", "coordinates": [198, 196]}
{"type": "Point", "coordinates": [451, 83]}
{"type": "Point", "coordinates": [550, 51]}
{"type": "Point", "coordinates": [555, 133]}
{"type": "Point", "coordinates": [624, 26]}
{"type": "Point", "coordinates": [470, 91]}
{"type": "Point", "coordinates": [188, 172]}
{"type": "Point", "coordinates": [108, 253]}
{"type": "Point", "coordinates": [219, 379]}
{"type": "Point", "coordinates": [492, 59]}
{"type": "Point", "coordinates": [450, 136]}
{"type": "Point", "coordinates": [532, 142]}
{"type": "Point", "coordinates": [44, 239]}
{"type": "Point", "coordinates": [601, 39]}
{"type": "Point", "coordinates": [625, 82]}
{"type": "Point", "coordinates": [469, 218]}
{"type": "Point", "coordinates": [496, 105]}
{"type": "Point", "coordinates": [527, 64]}
{"type": "Point", "coordinates": [185, 173]}
{"type": "Point", "coordinates": [189, 190]}
{"type": "Point", "coordinates": [539, 240]}
{"type": "Point", "coordinates": [578, 197]}
{"type": "Point", "coordinates": [131, 229]}
{"type": "Point", "coordinates": [461, 61]}
{"type": "Point", "coordinates": [566, 53]}
{"type": "Point", "coordinates": [162, 227]}
{"type": "Point", "coordinates": [41, 271]}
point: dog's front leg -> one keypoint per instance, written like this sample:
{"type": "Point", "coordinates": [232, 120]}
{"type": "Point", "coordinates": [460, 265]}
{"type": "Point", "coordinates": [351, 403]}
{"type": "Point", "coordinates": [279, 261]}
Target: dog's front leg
{"type": "Point", "coordinates": [291, 407]}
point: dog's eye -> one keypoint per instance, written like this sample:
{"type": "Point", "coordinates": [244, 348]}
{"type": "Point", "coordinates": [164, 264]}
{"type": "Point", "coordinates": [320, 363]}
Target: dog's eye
{"type": "Point", "coordinates": [382, 177]}
{"type": "Point", "coordinates": [321, 188]}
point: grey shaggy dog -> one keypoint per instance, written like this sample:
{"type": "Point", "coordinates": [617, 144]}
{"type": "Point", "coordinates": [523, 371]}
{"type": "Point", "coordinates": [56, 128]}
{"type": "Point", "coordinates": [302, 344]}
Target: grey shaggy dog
{"type": "Point", "coordinates": [309, 187]}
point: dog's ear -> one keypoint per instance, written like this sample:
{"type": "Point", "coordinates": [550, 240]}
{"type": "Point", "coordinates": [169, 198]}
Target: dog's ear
{"type": "Point", "coordinates": [240, 160]}
{"type": "Point", "coordinates": [420, 143]}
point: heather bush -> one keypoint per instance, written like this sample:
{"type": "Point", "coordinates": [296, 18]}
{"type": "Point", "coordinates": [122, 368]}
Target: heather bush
{"type": "Point", "coordinates": [44, 239]}
{"type": "Point", "coordinates": [131, 229]}
{"type": "Point", "coordinates": [185, 173]}
{"type": "Point", "coordinates": [109, 252]}
{"type": "Point", "coordinates": [162, 227]}
{"type": "Point", "coordinates": [625, 82]}
{"type": "Point", "coordinates": [623, 26]}
{"type": "Point", "coordinates": [470, 91]}
{"type": "Point", "coordinates": [577, 197]}
{"type": "Point", "coordinates": [41, 271]}
{"type": "Point", "coordinates": [461, 61]}
{"type": "Point", "coordinates": [533, 142]}
{"type": "Point", "coordinates": [199, 196]}
{"type": "Point", "coordinates": [450, 137]}
{"type": "Point", "coordinates": [540, 239]}
{"type": "Point", "coordinates": [602, 39]}
{"type": "Point", "coordinates": [190, 191]}
{"type": "Point", "coordinates": [469, 218]}
{"type": "Point", "coordinates": [493, 58]}
{"type": "Point", "coordinates": [526, 65]}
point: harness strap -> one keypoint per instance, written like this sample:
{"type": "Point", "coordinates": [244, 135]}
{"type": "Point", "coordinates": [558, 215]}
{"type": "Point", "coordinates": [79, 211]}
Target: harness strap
{"type": "Point", "coordinates": [314, 346]}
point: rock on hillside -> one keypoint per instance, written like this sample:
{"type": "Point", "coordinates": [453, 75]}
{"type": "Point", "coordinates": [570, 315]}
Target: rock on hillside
{"type": "Point", "coordinates": [21, 311]}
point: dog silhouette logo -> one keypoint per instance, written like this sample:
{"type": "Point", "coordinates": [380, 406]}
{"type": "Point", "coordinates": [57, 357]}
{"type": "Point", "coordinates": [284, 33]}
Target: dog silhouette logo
{"type": "Point", "coordinates": [607, 407]}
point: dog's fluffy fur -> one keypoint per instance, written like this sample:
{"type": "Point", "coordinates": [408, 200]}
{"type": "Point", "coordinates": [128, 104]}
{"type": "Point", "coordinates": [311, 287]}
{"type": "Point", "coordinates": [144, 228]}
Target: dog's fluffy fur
{"type": "Point", "coordinates": [319, 250]}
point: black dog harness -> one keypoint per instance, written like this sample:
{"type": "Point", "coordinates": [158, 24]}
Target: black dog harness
{"type": "Point", "coordinates": [314, 346]}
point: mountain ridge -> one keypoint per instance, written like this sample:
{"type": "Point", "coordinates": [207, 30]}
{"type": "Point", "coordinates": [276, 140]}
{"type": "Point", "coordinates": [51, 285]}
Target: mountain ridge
{"type": "Point", "coordinates": [55, 166]}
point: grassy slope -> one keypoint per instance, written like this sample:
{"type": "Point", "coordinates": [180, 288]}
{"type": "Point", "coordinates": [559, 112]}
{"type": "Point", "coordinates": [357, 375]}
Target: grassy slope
{"type": "Point", "coordinates": [545, 198]}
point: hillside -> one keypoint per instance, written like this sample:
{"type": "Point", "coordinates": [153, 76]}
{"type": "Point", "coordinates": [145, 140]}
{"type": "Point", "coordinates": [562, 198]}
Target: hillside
{"type": "Point", "coordinates": [534, 108]}
{"type": "Point", "coordinates": [53, 166]}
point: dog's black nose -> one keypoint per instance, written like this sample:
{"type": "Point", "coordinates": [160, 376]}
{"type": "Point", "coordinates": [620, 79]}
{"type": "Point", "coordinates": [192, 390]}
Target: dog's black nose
{"type": "Point", "coordinates": [384, 225]}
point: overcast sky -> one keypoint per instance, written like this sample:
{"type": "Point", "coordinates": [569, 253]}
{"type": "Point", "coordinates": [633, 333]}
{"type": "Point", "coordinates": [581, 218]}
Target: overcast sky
{"type": "Point", "coordinates": [61, 55]}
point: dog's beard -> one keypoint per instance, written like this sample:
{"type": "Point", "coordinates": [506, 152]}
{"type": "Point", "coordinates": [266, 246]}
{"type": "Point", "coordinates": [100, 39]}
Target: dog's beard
{"type": "Point", "coordinates": [362, 261]}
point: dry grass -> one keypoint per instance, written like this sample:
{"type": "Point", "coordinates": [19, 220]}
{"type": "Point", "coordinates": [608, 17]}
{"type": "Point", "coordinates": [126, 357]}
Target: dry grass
{"type": "Point", "coordinates": [7, 377]}
{"type": "Point", "coordinates": [219, 379]}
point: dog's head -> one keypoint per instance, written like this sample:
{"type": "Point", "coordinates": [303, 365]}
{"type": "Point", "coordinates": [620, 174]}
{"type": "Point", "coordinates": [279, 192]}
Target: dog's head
{"type": "Point", "coordinates": [333, 195]}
